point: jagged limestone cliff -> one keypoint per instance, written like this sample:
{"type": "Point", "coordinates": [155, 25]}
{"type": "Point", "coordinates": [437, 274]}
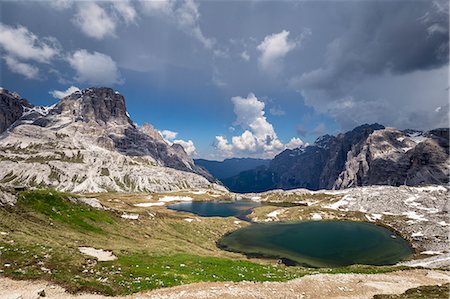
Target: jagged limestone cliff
{"type": "Point", "coordinates": [87, 143]}
{"type": "Point", "coordinates": [367, 155]}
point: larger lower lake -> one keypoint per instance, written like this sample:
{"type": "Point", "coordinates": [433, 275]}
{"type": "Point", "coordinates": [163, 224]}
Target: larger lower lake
{"type": "Point", "coordinates": [320, 243]}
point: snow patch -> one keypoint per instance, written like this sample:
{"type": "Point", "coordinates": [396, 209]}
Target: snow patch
{"type": "Point", "coordinates": [374, 217]}
{"type": "Point", "coordinates": [431, 252]}
{"type": "Point", "coordinates": [418, 234]}
{"type": "Point", "coordinates": [274, 214]}
{"type": "Point", "coordinates": [175, 198]}
{"type": "Point", "coordinates": [316, 216]}
{"type": "Point", "coordinates": [414, 216]}
{"type": "Point", "coordinates": [148, 204]}
{"type": "Point", "coordinates": [130, 216]}
{"type": "Point", "coordinates": [417, 138]}
{"type": "Point", "coordinates": [340, 203]}
{"type": "Point", "coordinates": [199, 192]}
{"type": "Point", "coordinates": [42, 110]}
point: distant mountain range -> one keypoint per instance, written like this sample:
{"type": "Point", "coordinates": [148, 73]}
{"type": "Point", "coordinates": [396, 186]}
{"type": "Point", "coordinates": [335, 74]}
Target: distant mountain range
{"type": "Point", "coordinates": [87, 143]}
{"type": "Point", "coordinates": [366, 155]}
{"type": "Point", "coordinates": [230, 167]}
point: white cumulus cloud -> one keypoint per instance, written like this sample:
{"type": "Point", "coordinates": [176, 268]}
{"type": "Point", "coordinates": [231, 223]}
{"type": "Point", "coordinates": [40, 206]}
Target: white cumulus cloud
{"type": "Point", "coordinates": [126, 10]}
{"type": "Point", "coordinates": [273, 49]}
{"type": "Point", "coordinates": [94, 21]}
{"type": "Point", "coordinates": [20, 43]}
{"type": "Point", "coordinates": [221, 143]}
{"type": "Point", "coordinates": [59, 94]}
{"type": "Point", "coordinates": [60, 4]}
{"type": "Point", "coordinates": [245, 56]}
{"type": "Point", "coordinates": [259, 138]}
{"type": "Point", "coordinates": [184, 14]}
{"type": "Point", "coordinates": [25, 69]}
{"type": "Point", "coordinates": [295, 142]}
{"type": "Point", "coordinates": [94, 68]}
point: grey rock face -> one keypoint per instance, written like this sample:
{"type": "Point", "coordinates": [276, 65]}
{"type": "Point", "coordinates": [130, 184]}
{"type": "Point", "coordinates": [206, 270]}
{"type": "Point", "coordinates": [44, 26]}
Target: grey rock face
{"type": "Point", "coordinates": [367, 155]}
{"type": "Point", "coordinates": [7, 198]}
{"type": "Point", "coordinates": [87, 143]}
{"type": "Point", "coordinates": [101, 105]}
{"type": "Point", "coordinates": [392, 157]}
{"type": "Point", "coordinates": [11, 108]}
{"type": "Point", "coordinates": [318, 166]}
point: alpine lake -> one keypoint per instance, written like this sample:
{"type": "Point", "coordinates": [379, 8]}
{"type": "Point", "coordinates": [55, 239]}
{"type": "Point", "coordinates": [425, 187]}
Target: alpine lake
{"type": "Point", "coordinates": [324, 243]}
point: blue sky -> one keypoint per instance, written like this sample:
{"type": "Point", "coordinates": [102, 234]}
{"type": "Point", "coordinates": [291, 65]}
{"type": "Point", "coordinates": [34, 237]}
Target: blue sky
{"type": "Point", "coordinates": [243, 78]}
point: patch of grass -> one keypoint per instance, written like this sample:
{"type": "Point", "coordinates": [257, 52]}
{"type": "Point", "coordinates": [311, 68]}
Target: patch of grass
{"type": "Point", "coordinates": [287, 196]}
{"type": "Point", "coordinates": [138, 271]}
{"type": "Point", "coordinates": [422, 292]}
{"type": "Point", "coordinates": [57, 207]}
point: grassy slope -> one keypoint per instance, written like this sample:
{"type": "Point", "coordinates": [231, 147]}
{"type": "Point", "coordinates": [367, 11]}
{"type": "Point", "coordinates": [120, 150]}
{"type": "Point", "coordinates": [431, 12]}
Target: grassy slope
{"type": "Point", "coordinates": [422, 292]}
{"type": "Point", "coordinates": [45, 229]}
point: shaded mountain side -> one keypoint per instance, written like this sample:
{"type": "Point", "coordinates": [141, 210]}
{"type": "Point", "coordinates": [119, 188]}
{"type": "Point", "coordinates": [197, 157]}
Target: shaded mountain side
{"type": "Point", "coordinates": [87, 143]}
{"type": "Point", "coordinates": [12, 107]}
{"type": "Point", "coordinates": [367, 155]}
{"type": "Point", "coordinates": [259, 179]}
{"type": "Point", "coordinates": [230, 167]}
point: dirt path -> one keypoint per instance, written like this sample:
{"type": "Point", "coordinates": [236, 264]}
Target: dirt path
{"type": "Point", "coordinates": [312, 286]}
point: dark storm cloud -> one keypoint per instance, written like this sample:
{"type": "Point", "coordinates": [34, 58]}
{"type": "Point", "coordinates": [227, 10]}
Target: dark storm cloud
{"type": "Point", "coordinates": [396, 37]}
{"type": "Point", "coordinates": [362, 61]}
{"type": "Point", "coordinates": [388, 64]}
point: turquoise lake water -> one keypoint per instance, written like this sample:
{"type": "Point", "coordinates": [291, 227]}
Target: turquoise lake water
{"type": "Point", "coordinates": [238, 209]}
{"type": "Point", "coordinates": [320, 243]}
{"type": "Point", "coordinates": [309, 243]}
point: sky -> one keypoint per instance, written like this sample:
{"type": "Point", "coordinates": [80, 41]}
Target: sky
{"type": "Point", "coordinates": [237, 78]}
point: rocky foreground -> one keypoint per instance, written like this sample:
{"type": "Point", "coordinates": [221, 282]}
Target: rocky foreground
{"type": "Point", "coordinates": [357, 286]}
{"type": "Point", "coordinates": [121, 243]}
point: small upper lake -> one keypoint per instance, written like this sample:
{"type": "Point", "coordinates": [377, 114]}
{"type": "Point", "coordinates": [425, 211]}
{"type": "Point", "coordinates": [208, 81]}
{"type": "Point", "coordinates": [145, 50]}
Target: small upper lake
{"type": "Point", "coordinates": [320, 243]}
{"type": "Point", "coordinates": [238, 208]}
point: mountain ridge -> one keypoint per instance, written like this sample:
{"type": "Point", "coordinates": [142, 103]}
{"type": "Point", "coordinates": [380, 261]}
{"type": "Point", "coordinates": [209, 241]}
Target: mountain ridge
{"type": "Point", "coordinates": [231, 166]}
{"type": "Point", "coordinates": [366, 155]}
{"type": "Point", "coordinates": [87, 143]}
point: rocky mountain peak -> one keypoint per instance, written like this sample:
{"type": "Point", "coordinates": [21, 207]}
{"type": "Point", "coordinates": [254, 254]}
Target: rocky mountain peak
{"type": "Point", "coordinates": [98, 104]}
{"type": "Point", "coordinates": [324, 141]}
{"type": "Point", "coordinates": [87, 143]}
{"type": "Point", "coordinates": [367, 155]}
{"type": "Point", "coordinates": [12, 106]}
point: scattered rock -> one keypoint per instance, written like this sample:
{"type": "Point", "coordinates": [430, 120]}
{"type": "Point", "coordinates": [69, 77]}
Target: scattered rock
{"type": "Point", "coordinates": [130, 216]}
{"type": "Point", "coordinates": [7, 198]}
{"type": "Point", "coordinates": [100, 254]}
